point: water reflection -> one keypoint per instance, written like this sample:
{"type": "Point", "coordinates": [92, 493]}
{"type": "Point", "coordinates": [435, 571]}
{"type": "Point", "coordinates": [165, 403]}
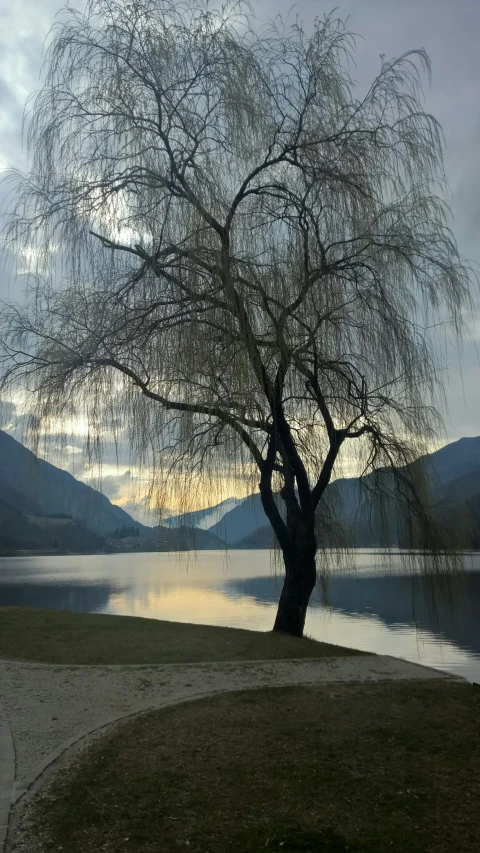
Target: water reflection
{"type": "Point", "coordinates": [78, 598]}
{"type": "Point", "coordinates": [195, 603]}
{"type": "Point", "coordinates": [377, 608]}
{"type": "Point", "coordinates": [394, 599]}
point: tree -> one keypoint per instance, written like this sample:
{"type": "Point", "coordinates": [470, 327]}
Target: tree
{"type": "Point", "coordinates": [239, 253]}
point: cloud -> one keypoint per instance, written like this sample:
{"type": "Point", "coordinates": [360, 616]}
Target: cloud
{"type": "Point", "coordinates": [128, 490]}
{"type": "Point", "coordinates": [448, 31]}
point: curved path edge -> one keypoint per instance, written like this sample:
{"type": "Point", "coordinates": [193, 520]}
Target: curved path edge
{"type": "Point", "coordinates": [7, 774]}
{"type": "Point", "coordinates": [15, 795]}
{"type": "Point", "coordinates": [21, 792]}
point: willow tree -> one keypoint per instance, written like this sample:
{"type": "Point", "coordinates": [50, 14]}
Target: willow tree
{"type": "Point", "coordinates": [240, 250]}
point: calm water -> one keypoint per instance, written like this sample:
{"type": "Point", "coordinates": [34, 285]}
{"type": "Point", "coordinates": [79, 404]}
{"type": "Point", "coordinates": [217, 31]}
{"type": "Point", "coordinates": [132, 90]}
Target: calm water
{"type": "Point", "coordinates": [376, 606]}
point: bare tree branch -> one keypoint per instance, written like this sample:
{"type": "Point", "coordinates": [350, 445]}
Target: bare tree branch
{"type": "Point", "coordinates": [214, 218]}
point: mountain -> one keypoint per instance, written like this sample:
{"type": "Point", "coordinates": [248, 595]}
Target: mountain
{"type": "Point", "coordinates": [45, 508]}
{"type": "Point", "coordinates": [18, 500]}
{"type": "Point", "coordinates": [204, 519]}
{"type": "Point", "coordinates": [262, 537]}
{"type": "Point", "coordinates": [20, 532]}
{"type": "Point", "coordinates": [34, 486]}
{"type": "Point", "coordinates": [454, 476]}
{"type": "Point", "coordinates": [247, 526]}
{"type": "Point", "coordinates": [461, 488]}
{"type": "Point", "coordinates": [16, 531]}
{"type": "Point", "coordinates": [453, 461]}
{"type": "Point", "coordinates": [32, 491]}
{"type": "Point", "coordinates": [241, 521]}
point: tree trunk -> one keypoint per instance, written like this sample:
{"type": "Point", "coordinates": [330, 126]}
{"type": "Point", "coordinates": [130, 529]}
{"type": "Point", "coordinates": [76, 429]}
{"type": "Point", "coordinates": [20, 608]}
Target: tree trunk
{"type": "Point", "coordinates": [299, 583]}
{"type": "Point", "coordinates": [296, 537]}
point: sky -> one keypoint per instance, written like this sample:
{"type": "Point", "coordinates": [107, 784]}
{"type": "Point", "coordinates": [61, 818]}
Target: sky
{"type": "Point", "coordinates": [447, 30]}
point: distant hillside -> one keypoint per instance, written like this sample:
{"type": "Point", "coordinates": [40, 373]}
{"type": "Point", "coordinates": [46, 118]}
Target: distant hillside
{"type": "Point", "coordinates": [16, 531]}
{"type": "Point", "coordinates": [460, 489]}
{"type": "Point", "coordinates": [32, 490]}
{"type": "Point", "coordinates": [262, 537]}
{"type": "Point", "coordinates": [26, 478]}
{"type": "Point", "coordinates": [18, 500]}
{"type": "Point", "coordinates": [20, 532]}
{"type": "Point", "coordinates": [455, 460]}
{"type": "Point", "coordinates": [241, 521]}
{"type": "Point", "coordinates": [45, 508]}
{"type": "Point", "coordinates": [204, 519]}
{"type": "Point", "coordinates": [454, 476]}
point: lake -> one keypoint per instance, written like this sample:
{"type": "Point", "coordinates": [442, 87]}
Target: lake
{"type": "Point", "coordinates": [377, 605]}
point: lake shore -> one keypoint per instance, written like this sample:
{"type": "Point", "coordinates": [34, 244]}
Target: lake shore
{"type": "Point", "coordinates": [61, 637]}
{"type": "Point", "coordinates": [376, 606]}
{"type": "Point", "coordinates": [57, 710]}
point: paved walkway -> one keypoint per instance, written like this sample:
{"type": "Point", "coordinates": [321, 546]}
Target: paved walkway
{"type": "Point", "coordinates": [45, 711]}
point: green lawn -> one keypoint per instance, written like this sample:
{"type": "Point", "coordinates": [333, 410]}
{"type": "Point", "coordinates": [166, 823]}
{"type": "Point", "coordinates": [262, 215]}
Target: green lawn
{"type": "Point", "coordinates": [372, 768]}
{"type": "Point", "coordinates": [53, 636]}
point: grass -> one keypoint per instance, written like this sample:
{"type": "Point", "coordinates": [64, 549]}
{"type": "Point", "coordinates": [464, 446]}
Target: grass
{"type": "Point", "coordinates": [54, 636]}
{"type": "Point", "coordinates": [366, 768]}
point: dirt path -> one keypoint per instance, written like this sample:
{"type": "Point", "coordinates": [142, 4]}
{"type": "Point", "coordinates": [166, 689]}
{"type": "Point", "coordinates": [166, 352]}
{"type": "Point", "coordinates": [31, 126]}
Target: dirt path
{"type": "Point", "coordinates": [46, 710]}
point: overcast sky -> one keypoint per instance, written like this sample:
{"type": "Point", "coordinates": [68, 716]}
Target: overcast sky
{"type": "Point", "coordinates": [448, 30]}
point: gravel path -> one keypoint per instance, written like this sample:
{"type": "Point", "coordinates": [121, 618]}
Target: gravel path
{"type": "Point", "coordinates": [49, 708]}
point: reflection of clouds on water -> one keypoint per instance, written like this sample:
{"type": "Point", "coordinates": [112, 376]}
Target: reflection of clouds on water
{"type": "Point", "coordinates": [193, 604]}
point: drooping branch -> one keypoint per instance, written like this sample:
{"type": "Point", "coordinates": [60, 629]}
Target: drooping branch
{"type": "Point", "coordinates": [217, 218]}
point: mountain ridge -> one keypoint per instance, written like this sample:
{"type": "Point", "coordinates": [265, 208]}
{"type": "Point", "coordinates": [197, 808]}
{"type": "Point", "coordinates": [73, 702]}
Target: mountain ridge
{"type": "Point", "coordinates": [453, 471]}
{"type": "Point", "coordinates": [206, 518]}
{"type": "Point", "coordinates": [35, 489]}
{"type": "Point", "coordinates": [55, 490]}
{"type": "Point", "coordinates": [34, 495]}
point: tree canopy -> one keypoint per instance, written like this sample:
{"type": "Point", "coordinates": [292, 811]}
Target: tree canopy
{"type": "Point", "coordinates": [234, 252]}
